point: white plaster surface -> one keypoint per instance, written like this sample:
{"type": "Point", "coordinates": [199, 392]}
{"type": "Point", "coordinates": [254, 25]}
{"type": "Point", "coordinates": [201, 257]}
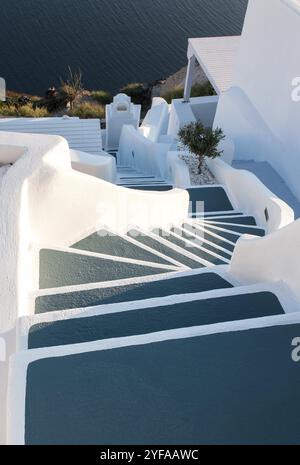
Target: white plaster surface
{"type": "Point", "coordinates": [270, 259]}
{"type": "Point", "coordinates": [142, 154]}
{"type": "Point", "coordinates": [259, 112]}
{"type": "Point", "coordinates": [272, 180]}
{"type": "Point", "coordinates": [156, 121]}
{"type": "Point", "coordinates": [43, 200]}
{"type": "Point", "coordinates": [251, 196]}
{"type": "Point", "coordinates": [101, 166]}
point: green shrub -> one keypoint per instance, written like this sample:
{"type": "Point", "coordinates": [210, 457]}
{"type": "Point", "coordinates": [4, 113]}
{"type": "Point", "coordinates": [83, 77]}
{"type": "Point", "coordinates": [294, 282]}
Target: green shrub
{"type": "Point", "coordinates": [25, 111]}
{"type": "Point", "coordinates": [140, 94]}
{"type": "Point", "coordinates": [202, 90]}
{"type": "Point", "coordinates": [201, 141]}
{"type": "Point", "coordinates": [102, 96]}
{"type": "Point", "coordinates": [35, 99]}
{"type": "Point", "coordinates": [176, 92]}
{"type": "Point", "coordinates": [88, 110]}
{"type": "Point", "coordinates": [29, 111]}
{"type": "Point", "coordinates": [134, 89]}
{"type": "Point", "coordinates": [198, 90]}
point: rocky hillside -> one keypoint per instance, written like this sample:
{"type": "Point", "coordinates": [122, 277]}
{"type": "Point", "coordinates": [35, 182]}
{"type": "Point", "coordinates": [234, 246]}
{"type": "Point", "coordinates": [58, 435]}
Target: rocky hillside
{"type": "Point", "coordinates": [177, 80]}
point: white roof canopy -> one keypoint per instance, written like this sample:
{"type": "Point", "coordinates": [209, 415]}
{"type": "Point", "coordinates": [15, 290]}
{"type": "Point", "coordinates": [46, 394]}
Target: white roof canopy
{"type": "Point", "coordinates": [217, 57]}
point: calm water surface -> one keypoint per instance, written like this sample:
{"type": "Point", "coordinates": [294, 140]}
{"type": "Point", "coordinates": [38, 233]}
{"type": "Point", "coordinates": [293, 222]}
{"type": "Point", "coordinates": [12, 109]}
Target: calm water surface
{"type": "Point", "coordinates": [112, 41]}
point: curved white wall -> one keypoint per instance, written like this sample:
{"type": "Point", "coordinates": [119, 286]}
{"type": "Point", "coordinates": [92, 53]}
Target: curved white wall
{"type": "Point", "coordinates": [10, 153]}
{"type": "Point", "coordinates": [274, 258]}
{"type": "Point", "coordinates": [101, 166]}
{"type": "Point", "coordinates": [44, 201]}
{"type": "Point", "coordinates": [156, 121]}
{"type": "Point", "coordinates": [141, 154]}
{"type": "Point", "coordinates": [252, 197]}
{"type": "Point", "coordinates": [177, 171]}
{"type": "Point", "coordinates": [259, 113]}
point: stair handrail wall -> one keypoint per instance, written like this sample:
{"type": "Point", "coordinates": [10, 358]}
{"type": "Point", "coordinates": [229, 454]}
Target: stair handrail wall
{"type": "Point", "coordinates": [177, 171]}
{"type": "Point", "coordinates": [7, 348]}
{"type": "Point", "coordinates": [140, 153]}
{"type": "Point", "coordinates": [252, 197]}
{"type": "Point", "coordinates": [44, 201]}
{"type": "Point", "coordinates": [15, 215]}
{"type": "Point", "coordinates": [273, 258]}
{"type": "Point", "coordinates": [156, 121]}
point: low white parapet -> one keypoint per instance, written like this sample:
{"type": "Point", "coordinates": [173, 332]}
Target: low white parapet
{"type": "Point", "coordinates": [156, 121]}
{"type": "Point", "coordinates": [141, 153]}
{"type": "Point", "coordinates": [101, 166]}
{"type": "Point", "coordinates": [7, 348]}
{"type": "Point", "coordinates": [252, 197]}
{"type": "Point", "coordinates": [177, 171]}
{"type": "Point", "coordinates": [274, 258]}
{"type": "Point", "coordinates": [44, 201]}
{"type": "Point", "coordinates": [9, 154]}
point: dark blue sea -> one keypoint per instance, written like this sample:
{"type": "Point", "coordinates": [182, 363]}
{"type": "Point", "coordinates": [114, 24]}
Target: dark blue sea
{"type": "Point", "coordinates": [113, 42]}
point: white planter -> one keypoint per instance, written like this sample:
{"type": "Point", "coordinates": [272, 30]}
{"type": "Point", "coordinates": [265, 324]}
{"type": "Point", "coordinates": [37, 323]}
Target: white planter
{"type": "Point", "coordinates": [205, 178]}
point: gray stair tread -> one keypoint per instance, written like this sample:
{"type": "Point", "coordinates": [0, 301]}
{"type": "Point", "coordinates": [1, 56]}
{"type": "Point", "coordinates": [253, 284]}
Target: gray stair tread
{"type": "Point", "coordinates": [246, 220]}
{"type": "Point", "coordinates": [200, 235]}
{"type": "Point", "coordinates": [224, 234]}
{"type": "Point", "coordinates": [131, 292]}
{"type": "Point", "coordinates": [205, 234]}
{"type": "Point", "coordinates": [150, 188]}
{"type": "Point", "coordinates": [66, 269]}
{"type": "Point", "coordinates": [141, 181]}
{"type": "Point", "coordinates": [142, 321]}
{"type": "Point", "coordinates": [112, 244]}
{"type": "Point", "coordinates": [243, 229]}
{"type": "Point", "coordinates": [230, 388]}
{"type": "Point", "coordinates": [213, 215]}
{"type": "Point", "coordinates": [136, 176]}
{"type": "Point", "coordinates": [211, 248]}
{"type": "Point", "coordinates": [202, 254]}
{"type": "Point", "coordinates": [162, 248]}
{"type": "Point", "coordinates": [240, 230]}
{"type": "Point", "coordinates": [214, 198]}
{"type": "Point", "coordinates": [143, 184]}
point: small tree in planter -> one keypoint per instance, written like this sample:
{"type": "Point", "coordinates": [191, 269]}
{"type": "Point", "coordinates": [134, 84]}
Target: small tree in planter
{"type": "Point", "coordinates": [201, 141]}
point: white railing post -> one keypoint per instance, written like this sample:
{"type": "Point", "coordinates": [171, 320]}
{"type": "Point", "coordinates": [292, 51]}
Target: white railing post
{"type": "Point", "coordinates": [2, 90]}
{"type": "Point", "coordinates": [189, 79]}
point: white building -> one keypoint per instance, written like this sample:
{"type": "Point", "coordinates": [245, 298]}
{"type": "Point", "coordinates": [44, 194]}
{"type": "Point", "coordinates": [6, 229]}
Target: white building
{"type": "Point", "coordinates": [257, 78]}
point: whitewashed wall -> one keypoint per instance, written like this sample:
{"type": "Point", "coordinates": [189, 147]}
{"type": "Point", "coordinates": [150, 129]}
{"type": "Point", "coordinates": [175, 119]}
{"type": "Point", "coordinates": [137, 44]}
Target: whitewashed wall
{"type": "Point", "coordinates": [274, 258]}
{"type": "Point", "coordinates": [142, 154]}
{"type": "Point", "coordinates": [44, 201]}
{"type": "Point", "coordinates": [252, 197]}
{"type": "Point", "coordinates": [258, 112]}
{"type": "Point", "coordinates": [198, 108]}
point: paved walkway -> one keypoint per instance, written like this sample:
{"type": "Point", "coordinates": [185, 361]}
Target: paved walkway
{"type": "Point", "coordinates": [272, 180]}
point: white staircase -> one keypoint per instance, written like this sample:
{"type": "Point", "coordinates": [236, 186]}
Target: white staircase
{"type": "Point", "coordinates": [123, 326]}
{"type": "Point", "coordinates": [146, 336]}
{"type": "Point", "coordinates": [129, 177]}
